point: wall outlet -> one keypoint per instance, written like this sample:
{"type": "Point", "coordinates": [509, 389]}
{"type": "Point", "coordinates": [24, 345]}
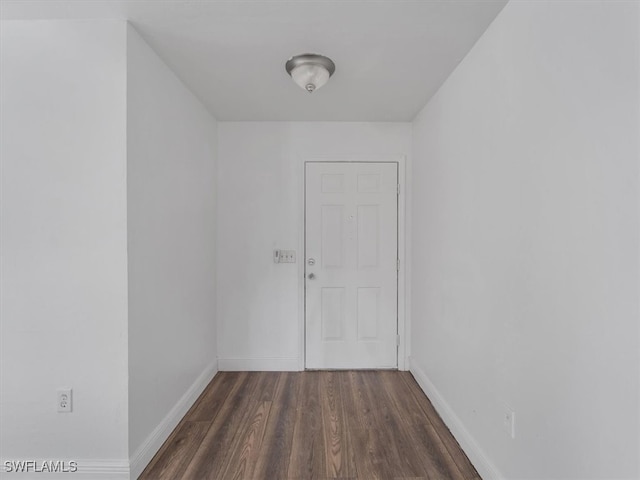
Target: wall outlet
{"type": "Point", "coordinates": [509, 422]}
{"type": "Point", "coordinates": [64, 400]}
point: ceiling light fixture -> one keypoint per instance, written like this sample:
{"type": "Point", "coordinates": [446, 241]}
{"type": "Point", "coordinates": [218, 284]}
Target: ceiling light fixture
{"type": "Point", "coordinates": [310, 71]}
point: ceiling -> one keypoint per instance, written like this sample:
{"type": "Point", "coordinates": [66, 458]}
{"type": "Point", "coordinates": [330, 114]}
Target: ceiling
{"type": "Point", "coordinates": [391, 55]}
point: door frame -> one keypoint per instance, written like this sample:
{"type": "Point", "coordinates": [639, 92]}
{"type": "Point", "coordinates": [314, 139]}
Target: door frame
{"type": "Point", "coordinates": [404, 330]}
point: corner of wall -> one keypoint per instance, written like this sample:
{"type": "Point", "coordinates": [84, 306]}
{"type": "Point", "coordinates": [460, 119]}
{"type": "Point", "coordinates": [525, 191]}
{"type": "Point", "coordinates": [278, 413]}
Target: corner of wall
{"type": "Point", "coordinates": [474, 452]}
{"type": "Point", "coordinates": [146, 451]}
{"type": "Point", "coordinates": [171, 235]}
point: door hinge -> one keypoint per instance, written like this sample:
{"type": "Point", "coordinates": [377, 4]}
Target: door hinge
{"type": "Point", "coordinates": [398, 265]}
{"type": "Point", "coordinates": [398, 340]}
{"type": "Point", "coordinates": [398, 189]}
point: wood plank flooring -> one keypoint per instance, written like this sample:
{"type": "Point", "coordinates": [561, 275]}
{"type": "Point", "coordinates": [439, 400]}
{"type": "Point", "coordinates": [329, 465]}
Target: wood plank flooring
{"type": "Point", "coordinates": [311, 425]}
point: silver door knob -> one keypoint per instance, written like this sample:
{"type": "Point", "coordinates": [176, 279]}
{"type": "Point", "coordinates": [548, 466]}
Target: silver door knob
{"type": "Point", "coordinates": [311, 276]}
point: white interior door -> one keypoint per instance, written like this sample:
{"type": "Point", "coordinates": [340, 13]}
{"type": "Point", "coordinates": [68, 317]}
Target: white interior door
{"type": "Point", "coordinates": [351, 249]}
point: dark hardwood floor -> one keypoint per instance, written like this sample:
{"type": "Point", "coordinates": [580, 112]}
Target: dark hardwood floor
{"type": "Point", "coordinates": [311, 425]}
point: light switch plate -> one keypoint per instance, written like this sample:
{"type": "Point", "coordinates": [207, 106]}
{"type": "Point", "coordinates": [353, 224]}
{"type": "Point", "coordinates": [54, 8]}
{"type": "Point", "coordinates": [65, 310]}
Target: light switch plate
{"type": "Point", "coordinates": [284, 256]}
{"type": "Point", "coordinates": [287, 256]}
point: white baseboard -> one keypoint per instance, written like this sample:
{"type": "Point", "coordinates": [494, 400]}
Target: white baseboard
{"type": "Point", "coordinates": [99, 469]}
{"type": "Point", "coordinates": [104, 469]}
{"type": "Point", "coordinates": [259, 364]}
{"type": "Point", "coordinates": [478, 458]}
{"type": "Point", "coordinates": [154, 441]}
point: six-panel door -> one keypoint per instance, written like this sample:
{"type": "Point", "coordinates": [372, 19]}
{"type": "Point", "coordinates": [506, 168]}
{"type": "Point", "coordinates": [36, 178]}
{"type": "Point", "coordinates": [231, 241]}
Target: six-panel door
{"type": "Point", "coordinates": [351, 247]}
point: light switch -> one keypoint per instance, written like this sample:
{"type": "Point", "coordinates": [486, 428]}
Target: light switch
{"type": "Point", "coordinates": [284, 256]}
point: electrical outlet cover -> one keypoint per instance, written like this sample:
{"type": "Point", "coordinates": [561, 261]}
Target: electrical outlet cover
{"type": "Point", "coordinates": [64, 400]}
{"type": "Point", "coordinates": [509, 421]}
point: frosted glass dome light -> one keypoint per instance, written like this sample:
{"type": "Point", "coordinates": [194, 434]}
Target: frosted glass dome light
{"type": "Point", "coordinates": [310, 71]}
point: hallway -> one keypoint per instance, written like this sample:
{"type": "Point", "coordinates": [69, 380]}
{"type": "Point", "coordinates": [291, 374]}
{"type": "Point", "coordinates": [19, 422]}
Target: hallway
{"type": "Point", "coordinates": [311, 425]}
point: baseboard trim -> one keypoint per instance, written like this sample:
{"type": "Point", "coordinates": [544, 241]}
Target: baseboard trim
{"type": "Point", "coordinates": [476, 455]}
{"type": "Point", "coordinates": [154, 441]}
{"type": "Point", "coordinates": [259, 364]}
{"type": "Point", "coordinates": [115, 469]}
{"type": "Point", "coordinates": [88, 469]}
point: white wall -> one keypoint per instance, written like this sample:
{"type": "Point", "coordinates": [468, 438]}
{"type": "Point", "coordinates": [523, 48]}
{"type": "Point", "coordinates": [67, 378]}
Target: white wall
{"type": "Point", "coordinates": [525, 245]}
{"type": "Point", "coordinates": [63, 223]}
{"type": "Point", "coordinates": [103, 150]}
{"type": "Point", "coordinates": [171, 244]}
{"type": "Point", "coordinates": [260, 198]}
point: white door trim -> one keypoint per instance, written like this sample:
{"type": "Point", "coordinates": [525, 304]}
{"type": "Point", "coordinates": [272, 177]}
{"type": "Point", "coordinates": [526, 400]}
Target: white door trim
{"type": "Point", "coordinates": [403, 250]}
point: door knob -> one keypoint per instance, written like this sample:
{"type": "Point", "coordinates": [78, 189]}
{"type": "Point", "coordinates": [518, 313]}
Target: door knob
{"type": "Point", "coordinates": [311, 276]}
{"type": "Point", "coordinates": [311, 261]}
